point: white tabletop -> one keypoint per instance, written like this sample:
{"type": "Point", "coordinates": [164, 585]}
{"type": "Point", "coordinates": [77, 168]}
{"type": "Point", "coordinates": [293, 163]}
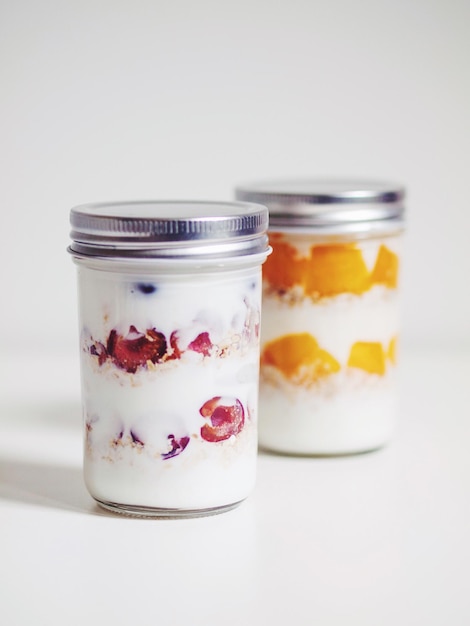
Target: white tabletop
{"type": "Point", "coordinates": [379, 539]}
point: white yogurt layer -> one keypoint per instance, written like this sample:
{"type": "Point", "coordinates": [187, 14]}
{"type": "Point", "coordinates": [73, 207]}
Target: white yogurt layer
{"type": "Point", "coordinates": [336, 323]}
{"type": "Point", "coordinates": [351, 412]}
{"type": "Point", "coordinates": [145, 444]}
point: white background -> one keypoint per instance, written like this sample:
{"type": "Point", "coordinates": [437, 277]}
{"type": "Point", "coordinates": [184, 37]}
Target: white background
{"type": "Point", "coordinates": [133, 99]}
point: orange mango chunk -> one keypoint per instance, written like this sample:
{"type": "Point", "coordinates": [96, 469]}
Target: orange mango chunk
{"type": "Point", "coordinates": [392, 351]}
{"type": "Point", "coordinates": [335, 269]}
{"type": "Point", "coordinates": [283, 268]}
{"type": "Point", "coordinates": [385, 271]}
{"type": "Point", "coordinates": [368, 356]}
{"type": "Point", "coordinates": [299, 355]}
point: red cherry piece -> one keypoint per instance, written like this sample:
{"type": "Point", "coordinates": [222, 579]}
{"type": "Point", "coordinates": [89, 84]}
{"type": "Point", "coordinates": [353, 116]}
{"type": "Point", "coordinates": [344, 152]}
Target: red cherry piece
{"type": "Point", "coordinates": [136, 439]}
{"type": "Point", "coordinates": [226, 416]}
{"type": "Point", "coordinates": [176, 352]}
{"type": "Point", "coordinates": [201, 344]}
{"type": "Point", "coordinates": [135, 349]}
{"type": "Point", "coordinates": [99, 350]}
{"type": "Point", "coordinates": [177, 446]}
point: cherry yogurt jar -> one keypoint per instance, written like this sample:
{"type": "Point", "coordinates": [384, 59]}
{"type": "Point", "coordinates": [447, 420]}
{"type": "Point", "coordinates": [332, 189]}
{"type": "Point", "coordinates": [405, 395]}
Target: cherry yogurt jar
{"type": "Point", "coordinates": [331, 314]}
{"type": "Point", "coordinates": [169, 316]}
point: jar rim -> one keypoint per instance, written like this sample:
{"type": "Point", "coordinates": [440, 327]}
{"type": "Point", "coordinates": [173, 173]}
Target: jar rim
{"type": "Point", "coordinates": [168, 229]}
{"type": "Point", "coordinates": [325, 204]}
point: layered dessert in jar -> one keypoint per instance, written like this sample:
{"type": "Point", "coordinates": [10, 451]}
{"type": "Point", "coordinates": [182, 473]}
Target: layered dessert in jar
{"type": "Point", "coordinates": [331, 316]}
{"type": "Point", "coordinates": [170, 362]}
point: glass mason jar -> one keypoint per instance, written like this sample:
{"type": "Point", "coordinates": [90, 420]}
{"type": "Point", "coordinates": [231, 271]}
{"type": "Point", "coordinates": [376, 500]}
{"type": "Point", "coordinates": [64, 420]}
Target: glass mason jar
{"type": "Point", "coordinates": [330, 315]}
{"type": "Point", "coordinates": [169, 308]}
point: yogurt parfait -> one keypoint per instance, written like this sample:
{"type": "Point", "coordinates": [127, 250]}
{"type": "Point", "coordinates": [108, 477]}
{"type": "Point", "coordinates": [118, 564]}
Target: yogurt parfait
{"type": "Point", "coordinates": [169, 300]}
{"type": "Point", "coordinates": [331, 315]}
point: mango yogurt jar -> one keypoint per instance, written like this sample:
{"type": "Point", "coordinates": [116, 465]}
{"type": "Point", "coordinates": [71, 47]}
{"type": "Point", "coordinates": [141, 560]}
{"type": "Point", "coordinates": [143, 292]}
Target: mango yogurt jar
{"type": "Point", "coordinates": [331, 315]}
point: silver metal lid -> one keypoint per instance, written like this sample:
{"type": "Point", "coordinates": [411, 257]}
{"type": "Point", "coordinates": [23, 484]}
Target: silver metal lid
{"type": "Point", "coordinates": [328, 205]}
{"type": "Point", "coordinates": [160, 229]}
